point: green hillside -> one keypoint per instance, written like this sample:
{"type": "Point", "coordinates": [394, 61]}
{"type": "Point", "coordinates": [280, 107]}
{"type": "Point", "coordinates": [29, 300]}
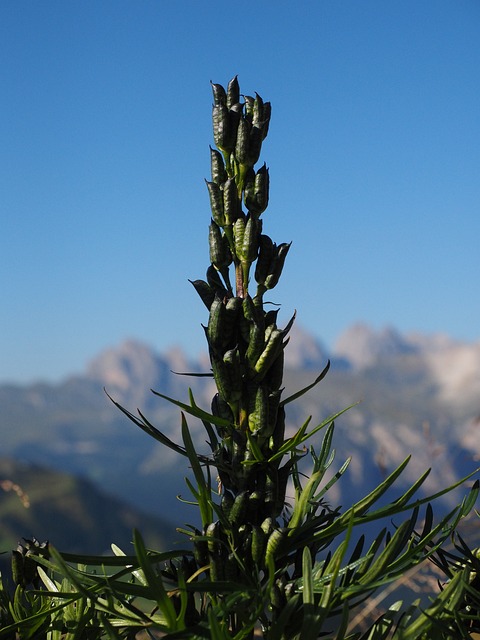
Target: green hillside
{"type": "Point", "coordinates": [69, 512]}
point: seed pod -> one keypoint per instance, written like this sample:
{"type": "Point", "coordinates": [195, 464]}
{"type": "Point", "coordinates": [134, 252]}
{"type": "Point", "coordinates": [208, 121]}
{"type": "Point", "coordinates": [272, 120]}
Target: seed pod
{"type": "Point", "coordinates": [249, 102]}
{"type": "Point", "coordinates": [231, 568]}
{"type": "Point", "coordinates": [217, 166]}
{"type": "Point", "coordinates": [255, 140]}
{"type": "Point", "coordinates": [273, 406]}
{"type": "Point", "coordinates": [219, 94]}
{"type": "Point", "coordinates": [278, 599]}
{"type": "Point", "coordinates": [239, 509]}
{"type": "Point", "coordinates": [267, 113]}
{"type": "Point", "coordinates": [200, 549]}
{"type": "Point", "coordinates": [220, 255]}
{"type": "Point", "coordinates": [278, 435]}
{"type": "Point", "coordinates": [277, 265]}
{"type": "Point", "coordinates": [268, 525]}
{"type": "Point", "coordinates": [276, 543]}
{"type": "Point", "coordinates": [205, 292]}
{"type": "Point", "coordinates": [223, 136]}
{"type": "Point", "coordinates": [265, 257]}
{"type": "Point", "coordinates": [221, 409]}
{"type": "Point", "coordinates": [234, 115]}
{"type": "Point", "coordinates": [275, 373]}
{"type": "Point", "coordinates": [233, 92]}
{"type": "Point", "coordinates": [255, 503]}
{"type": "Point", "coordinates": [258, 418]}
{"type": "Point", "coordinates": [233, 369]}
{"type": "Point", "coordinates": [215, 283]}
{"type": "Point", "coordinates": [256, 344]}
{"type": "Point", "coordinates": [216, 203]}
{"type": "Point", "coordinates": [253, 229]}
{"type": "Point", "coordinates": [257, 111]}
{"type": "Point", "coordinates": [216, 326]}
{"type": "Point", "coordinates": [226, 503]}
{"type": "Point", "coordinates": [256, 192]}
{"type": "Point", "coordinates": [216, 551]}
{"type": "Point", "coordinates": [270, 353]}
{"type": "Point", "coordinates": [231, 201]}
{"type": "Point", "coordinates": [242, 142]}
{"type": "Point", "coordinates": [271, 317]}
{"type": "Point", "coordinates": [250, 311]}
{"type": "Point", "coordinates": [238, 233]}
{"type": "Point", "coordinates": [259, 545]}
{"type": "Point", "coordinates": [222, 372]}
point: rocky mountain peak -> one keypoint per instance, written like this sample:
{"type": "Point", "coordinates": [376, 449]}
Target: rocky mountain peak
{"type": "Point", "coordinates": [362, 345]}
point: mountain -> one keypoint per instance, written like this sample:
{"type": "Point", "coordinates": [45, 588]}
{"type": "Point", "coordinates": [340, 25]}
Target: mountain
{"type": "Point", "coordinates": [411, 394]}
{"type": "Point", "coordinates": [71, 513]}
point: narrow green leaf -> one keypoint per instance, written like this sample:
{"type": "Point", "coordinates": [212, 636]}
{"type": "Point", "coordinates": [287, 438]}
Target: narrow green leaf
{"type": "Point", "coordinates": [300, 393]}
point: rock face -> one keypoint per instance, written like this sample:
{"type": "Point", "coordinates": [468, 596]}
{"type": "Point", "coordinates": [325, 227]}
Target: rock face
{"type": "Point", "coordinates": [412, 394]}
{"type": "Point", "coordinates": [361, 345]}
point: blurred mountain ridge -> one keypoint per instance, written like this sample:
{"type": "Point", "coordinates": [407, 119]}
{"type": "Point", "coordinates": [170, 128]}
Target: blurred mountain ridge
{"type": "Point", "coordinates": [411, 394]}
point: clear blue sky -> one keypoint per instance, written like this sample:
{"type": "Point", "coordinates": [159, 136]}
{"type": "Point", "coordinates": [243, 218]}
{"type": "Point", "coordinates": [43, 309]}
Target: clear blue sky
{"type": "Point", "coordinates": [374, 156]}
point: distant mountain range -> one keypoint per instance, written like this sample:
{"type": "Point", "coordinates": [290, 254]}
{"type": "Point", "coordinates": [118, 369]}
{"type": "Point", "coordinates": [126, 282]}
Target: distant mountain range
{"type": "Point", "coordinates": [418, 394]}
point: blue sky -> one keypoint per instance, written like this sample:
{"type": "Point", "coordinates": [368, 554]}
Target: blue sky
{"type": "Point", "coordinates": [373, 153]}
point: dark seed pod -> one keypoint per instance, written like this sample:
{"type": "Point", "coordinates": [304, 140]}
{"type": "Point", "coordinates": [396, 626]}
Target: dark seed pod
{"type": "Point", "coordinates": [233, 92]}
{"type": "Point", "coordinates": [219, 94]}
{"type": "Point", "coordinates": [266, 254]}
{"type": "Point", "coordinates": [276, 543]}
{"type": "Point", "coordinates": [217, 166]}
{"type": "Point", "coordinates": [249, 103]}
{"type": "Point", "coordinates": [215, 328]}
{"type": "Point", "coordinates": [277, 265]}
{"type": "Point", "coordinates": [242, 142]}
{"type": "Point", "coordinates": [231, 201]}
{"type": "Point", "coordinates": [259, 545]}
{"type": "Point", "coordinates": [227, 503]}
{"type": "Point", "coordinates": [256, 344]}
{"type": "Point", "coordinates": [221, 409]}
{"type": "Point", "coordinates": [238, 234]}
{"type": "Point", "coordinates": [216, 203]}
{"type": "Point", "coordinates": [267, 113]}
{"type": "Point", "coordinates": [256, 191]}
{"type": "Point", "coordinates": [200, 549]}
{"type": "Point", "coordinates": [239, 509]}
{"type": "Point", "coordinates": [253, 229]}
{"type": "Point", "coordinates": [205, 292]}
{"type": "Point", "coordinates": [215, 283]}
